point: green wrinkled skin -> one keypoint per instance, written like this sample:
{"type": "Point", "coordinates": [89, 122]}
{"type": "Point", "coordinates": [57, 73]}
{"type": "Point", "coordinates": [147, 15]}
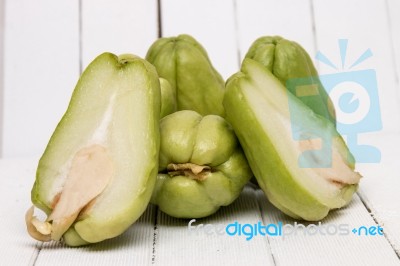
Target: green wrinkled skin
{"type": "Point", "coordinates": [116, 106]}
{"type": "Point", "coordinates": [257, 106]}
{"type": "Point", "coordinates": [168, 98]}
{"type": "Point", "coordinates": [288, 61]}
{"type": "Point", "coordinates": [187, 137]}
{"type": "Point", "coordinates": [185, 64]}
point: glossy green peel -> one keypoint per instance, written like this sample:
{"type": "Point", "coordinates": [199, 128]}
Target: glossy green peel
{"type": "Point", "coordinates": [291, 65]}
{"type": "Point", "coordinates": [185, 64]}
{"type": "Point", "coordinates": [98, 171]}
{"type": "Point", "coordinates": [258, 107]}
{"type": "Point", "coordinates": [202, 166]}
{"type": "Point", "coordinates": [168, 98]}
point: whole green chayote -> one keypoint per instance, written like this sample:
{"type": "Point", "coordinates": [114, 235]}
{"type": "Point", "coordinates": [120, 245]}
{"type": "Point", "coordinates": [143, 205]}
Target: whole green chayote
{"type": "Point", "coordinates": [201, 165]}
{"type": "Point", "coordinates": [168, 98]}
{"type": "Point", "coordinates": [185, 64]}
{"type": "Point", "coordinates": [293, 67]}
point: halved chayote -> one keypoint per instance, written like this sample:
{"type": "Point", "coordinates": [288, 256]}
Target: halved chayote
{"type": "Point", "coordinates": [259, 109]}
{"type": "Point", "coordinates": [202, 166]}
{"type": "Point", "coordinates": [185, 64]}
{"type": "Point", "coordinates": [293, 67]}
{"type": "Point", "coordinates": [98, 171]}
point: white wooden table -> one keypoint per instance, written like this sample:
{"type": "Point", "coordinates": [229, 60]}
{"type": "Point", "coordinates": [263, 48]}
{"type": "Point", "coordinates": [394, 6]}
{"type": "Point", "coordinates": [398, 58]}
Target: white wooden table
{"type": "Point", "coordinates": [47, 44]}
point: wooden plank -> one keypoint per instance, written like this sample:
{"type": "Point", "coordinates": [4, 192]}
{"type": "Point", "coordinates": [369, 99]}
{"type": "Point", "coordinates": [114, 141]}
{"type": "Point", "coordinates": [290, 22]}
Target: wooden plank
{"type": "Point", "coordinates": [1, 72]}
{"type": "Point", "coordinates": [177, 245]}
{"type": "Point", "coordinates": [134, 247]}
{"type": "Point", "coordinates": [393, 8]}
{"type": "Point", "coordinates": [16, 180]}
{"type": "Point", "coordinates": [289, 19]}
{"type": "Point", "coordinates": [387, 205]}
{"type": "Point", "coordinates": [212, 23]}
{"type": "Point", "coordinates": [379, 187]}
{"type": "Point", "coordinates": [334, 249]}
{"type": "Point", "coordinates": [121, 26]}
{"type": "Point", "coordinates": [365, 25]}
{"type": "Point", "coordinates": [41, 67]}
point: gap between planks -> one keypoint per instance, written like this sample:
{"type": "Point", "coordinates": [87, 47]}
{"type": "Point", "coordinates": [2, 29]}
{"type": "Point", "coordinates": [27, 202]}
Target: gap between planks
{"type": "Point", "coordinates": [159, 19]}
{"type": "Point", "coordinates": [35, 256]}
{"type": "Point", "coordinates": [155, 231]}
{"type": "Point", "coordinates": [376, 220]}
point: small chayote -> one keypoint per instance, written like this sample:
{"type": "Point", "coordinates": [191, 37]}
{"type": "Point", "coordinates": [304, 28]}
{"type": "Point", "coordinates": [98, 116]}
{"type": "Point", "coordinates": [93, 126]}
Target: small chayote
{"type": "Point", "coordinates": [293, 67]}
{"type": "Point", "coordinates": [185, 64]}
{"type": "Point", "coordinates": [201, 165]}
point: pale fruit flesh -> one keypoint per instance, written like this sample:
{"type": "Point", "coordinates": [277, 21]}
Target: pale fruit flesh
{"type": "Point", "coordinates": [99, 168]}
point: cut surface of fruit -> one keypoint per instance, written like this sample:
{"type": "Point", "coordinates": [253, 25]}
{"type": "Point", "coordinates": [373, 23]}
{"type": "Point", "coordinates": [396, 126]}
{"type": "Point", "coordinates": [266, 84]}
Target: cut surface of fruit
{"type": "Point", "coordinates": [293, 67]}
{"type": "Point", "coordinates": [301, 162]}
{"type": "Point", "coordinates": [98, 171]}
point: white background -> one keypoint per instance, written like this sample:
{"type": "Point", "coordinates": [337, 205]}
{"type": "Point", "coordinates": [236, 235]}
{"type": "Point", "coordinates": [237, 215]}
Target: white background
{"type": "Point", "coordinates": [45, 44]}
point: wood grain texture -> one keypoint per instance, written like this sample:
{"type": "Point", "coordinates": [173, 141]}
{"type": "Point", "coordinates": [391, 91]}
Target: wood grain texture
{"type": "Point", "coordinates": [44, 46]}
{"type": "Point", "coordinates": [330, 249]}
{"type": "Point", "coordinates": [212, 23]}
{"type": "Point", "coordinates": [134, 247]}
{"type": "Point", "coordinates": [177, 245]}
{"type": "Point", "coordinates": [123, 26]}
{"type": "Point", "coordinates": [268, 18]}
{"type": "Point", "coordinates": [365, 25]}
{"type": "Point", "coordinates": [379, 188]}
{"type": "Point", "coordinates": [167, 241]}
{"type": "Point", "coordinates": [16, 179]}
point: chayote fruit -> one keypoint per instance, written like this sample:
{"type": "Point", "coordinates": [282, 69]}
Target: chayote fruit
{"type": "Point", "coordinates": [284, 152]}
{"type": "Point", "coordinates": [185, 64]}
{"type": "Point", "coordinates": [292, 65]}
{"type": "Point", "coordinates": [202, 166]}
{"type": "Point", "coordinates": [98, 171]}
{"type": "Point", "coordinates": [168, 98]}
